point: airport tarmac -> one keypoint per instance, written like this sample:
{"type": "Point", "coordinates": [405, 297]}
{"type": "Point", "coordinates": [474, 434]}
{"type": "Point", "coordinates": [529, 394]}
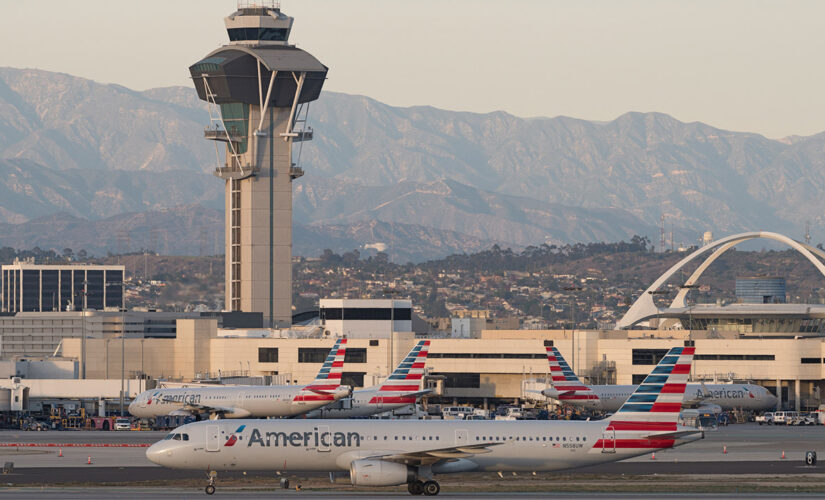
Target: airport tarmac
{"type": "Point", "coordinates": [742, 443]}
{"type": "Point", "coordinates": [118, 458]}
{"type": "Point", "coordinates": [144, 493]}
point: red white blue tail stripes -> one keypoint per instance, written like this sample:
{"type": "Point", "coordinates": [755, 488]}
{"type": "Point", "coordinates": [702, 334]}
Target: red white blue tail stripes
{"type": "Point", "coordinates": [329, 378]}
{"type": "Point", "coordinates": [406, 379]}
{"type": "Point", "coordinates": [653, 409]}
{"type": "Point", "coordinates": [565, 381]}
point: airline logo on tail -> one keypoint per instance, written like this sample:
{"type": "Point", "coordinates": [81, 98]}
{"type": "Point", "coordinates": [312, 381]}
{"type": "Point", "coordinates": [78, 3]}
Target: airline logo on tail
{"type": "Point", "coordinates": [329, 378]}
{"type": "Point", "coordinates": [403, 384]}
{"type": "Point", "coordinates": [648, 419]}
{"type": "Point", "coordinates": [565, 381]}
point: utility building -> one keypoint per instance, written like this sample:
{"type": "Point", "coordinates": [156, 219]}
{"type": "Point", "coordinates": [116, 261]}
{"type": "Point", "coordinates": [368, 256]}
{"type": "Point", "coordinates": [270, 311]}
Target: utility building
{"type": "Point", "coordinates": [259, 88]}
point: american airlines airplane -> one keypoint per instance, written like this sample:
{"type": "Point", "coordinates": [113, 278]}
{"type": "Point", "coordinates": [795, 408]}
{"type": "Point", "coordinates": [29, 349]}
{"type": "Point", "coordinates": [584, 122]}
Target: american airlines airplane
{"type": "Point", "coordinates": [567, 388]}
{"type": "Point", "coordinates": [402, 388]}
{"type": "Point", "coordinates": [250, 401]}
{"type": "Point", "coordinates": [412, 452]}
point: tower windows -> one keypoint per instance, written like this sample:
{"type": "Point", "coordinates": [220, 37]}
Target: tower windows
{"type": "Point", "coordinates": [265, 34]}
{"type": "Point", "coordinates": [235, 245]}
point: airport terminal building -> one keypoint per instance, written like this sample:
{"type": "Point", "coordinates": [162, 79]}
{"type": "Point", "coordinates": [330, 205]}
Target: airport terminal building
{"type": "Point", "coordinates": [490, 369]}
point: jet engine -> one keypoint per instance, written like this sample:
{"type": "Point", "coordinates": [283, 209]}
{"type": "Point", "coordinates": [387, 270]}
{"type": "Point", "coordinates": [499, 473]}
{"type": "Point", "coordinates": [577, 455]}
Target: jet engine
{"type": "Point", "coordinates": [371, 472]}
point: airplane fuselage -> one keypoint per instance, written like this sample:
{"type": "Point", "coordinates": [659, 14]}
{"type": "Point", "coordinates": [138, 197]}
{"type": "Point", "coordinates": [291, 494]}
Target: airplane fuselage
{"type": "Point", "coordinates": [727, 396]}
{"type": "Point", "coordinates": [332, 445]}
{"type": "Point", "coordinates": [243, 401]}
{"type": "Point", "coordinates": [361, 404]}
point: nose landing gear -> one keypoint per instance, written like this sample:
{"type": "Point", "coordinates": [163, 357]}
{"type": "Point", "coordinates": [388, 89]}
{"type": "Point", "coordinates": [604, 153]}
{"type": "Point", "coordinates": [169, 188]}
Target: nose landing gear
{"type": "Point", "coordinates": [210, 488]}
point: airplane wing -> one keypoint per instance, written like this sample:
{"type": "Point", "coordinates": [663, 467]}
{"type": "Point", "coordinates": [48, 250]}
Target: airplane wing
{"type": "Point", "coordinates": [201, 408]}
{"type": "Point", "coordinates": [416, 393]}
{"type": "Point", "coordinates": [319, 391]}
{"type": "Point", "coordinates": [429, 457]}
{"type": "Point", "coordinates": [672, 435]}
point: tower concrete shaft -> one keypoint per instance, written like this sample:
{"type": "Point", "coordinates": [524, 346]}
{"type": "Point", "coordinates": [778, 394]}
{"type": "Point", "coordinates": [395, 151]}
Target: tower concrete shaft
{"type": "Point", "coordinates": [259, 87]}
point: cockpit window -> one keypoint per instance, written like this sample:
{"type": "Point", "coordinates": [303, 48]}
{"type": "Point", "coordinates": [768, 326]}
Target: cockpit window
{"type": "Point", "coordinates": [168, 436]}
{"type": "Point", "coordinates": [185, 437]}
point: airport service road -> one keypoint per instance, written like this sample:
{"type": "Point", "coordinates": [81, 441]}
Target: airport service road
{"type": "Point", "coordinates": [128, 437]}
{"type": "Point", "coordinates": [106, 448]}
{"type": "Point", "coordinates": [749, 442]}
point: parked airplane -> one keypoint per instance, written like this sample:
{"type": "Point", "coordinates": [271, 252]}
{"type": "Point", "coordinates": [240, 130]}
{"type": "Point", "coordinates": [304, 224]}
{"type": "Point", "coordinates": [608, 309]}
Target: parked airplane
{"type": "Point", "coordinates": [402, 388]}
{"type": "Point", "coordinates": [394, 452]}
{"type": "Point", "coordinates": [567, 388]}
{"type": "Point", "coordinates": [249, 401]}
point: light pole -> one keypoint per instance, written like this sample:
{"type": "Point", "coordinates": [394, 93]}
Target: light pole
{"type": "Point", "coordinates": [690, 308]}
{"type": "Point", "coordinates": [84, 294]}
{"type": "Point", "coordinates": [658, 292]}
{"type": "Point", "coordinates": [573, 323]}
{"type": "Point", "coordinates": [122, 309]}
{"type": "Point", "coordinates": [122, 355]}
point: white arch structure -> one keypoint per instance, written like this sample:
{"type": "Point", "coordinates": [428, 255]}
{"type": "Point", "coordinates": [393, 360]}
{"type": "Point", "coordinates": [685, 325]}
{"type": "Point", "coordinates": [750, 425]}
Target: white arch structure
{"type": "Point", "coordinates": [644, 307]}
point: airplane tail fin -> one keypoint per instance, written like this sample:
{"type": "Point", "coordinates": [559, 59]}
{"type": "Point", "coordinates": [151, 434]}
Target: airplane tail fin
{"type": "Point", "coordinates": [656, 403]}
{"type": "Point", "coordinates": [403, 384]}
{"type": "Point", "coordinates": [331, 372]}
{"type": "Point", "coordinates": [648, 420]}
{"type": "Point", "coordinates": [565, 381]}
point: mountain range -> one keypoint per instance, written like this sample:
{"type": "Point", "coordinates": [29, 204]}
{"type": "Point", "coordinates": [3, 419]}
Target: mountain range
{"type": "Point", "coordinates": [422, 181]}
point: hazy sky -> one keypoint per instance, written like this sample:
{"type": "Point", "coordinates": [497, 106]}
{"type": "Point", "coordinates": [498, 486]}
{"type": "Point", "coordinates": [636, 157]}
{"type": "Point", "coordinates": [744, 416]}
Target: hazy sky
{"type": "Point", "coordinates": [749, 65]}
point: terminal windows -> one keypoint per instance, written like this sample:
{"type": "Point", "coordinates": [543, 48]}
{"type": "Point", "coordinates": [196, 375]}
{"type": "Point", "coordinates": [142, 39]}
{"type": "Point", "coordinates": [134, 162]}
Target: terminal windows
{"type": "Point", "coordinates": [353, 379]}
{"type": "Point", "coordinates": [312, 354]}
{"type": "Point", "coordinates": [734, 357]}
{"type": "Point", "coordinates": [648, 356]}
{"type": "Point", "coordinates": [485, 355]}
{"type": "Point", "coordinates": [355, 355]}
{"type": "Point", "coordinates": [267, 355]}
{"type": "Point", "coordinates": [461, 380]}
{"type": "Point", "coordinates": [366, 313]}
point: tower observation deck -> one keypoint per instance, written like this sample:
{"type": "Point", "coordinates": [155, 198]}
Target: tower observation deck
{"type": "Point", "coordinates": [258, 88]}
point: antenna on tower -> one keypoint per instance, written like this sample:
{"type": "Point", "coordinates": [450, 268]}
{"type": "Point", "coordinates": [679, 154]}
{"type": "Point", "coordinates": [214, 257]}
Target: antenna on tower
{"type": "Point", "coordinates": [807, 232]}
{"type": "Point", "coordinates": [662, 241]}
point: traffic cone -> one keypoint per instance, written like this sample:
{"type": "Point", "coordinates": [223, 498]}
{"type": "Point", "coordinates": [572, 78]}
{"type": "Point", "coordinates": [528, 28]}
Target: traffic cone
{"type": "Point", "coordinates": [89, 461]}
{"type": "Point", "coordinates": [60, 452]}
{"type": "Point", "coordinates": [653, 456]}
{"type": "Point", "coordinates": [783, 454]}
{"type": "Point", "coordinates": [724, 449]}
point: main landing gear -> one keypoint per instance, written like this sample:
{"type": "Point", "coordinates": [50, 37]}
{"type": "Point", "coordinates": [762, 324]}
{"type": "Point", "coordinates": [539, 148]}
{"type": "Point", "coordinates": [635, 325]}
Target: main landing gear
{"type": "Point", "coordinates": [429, 488]}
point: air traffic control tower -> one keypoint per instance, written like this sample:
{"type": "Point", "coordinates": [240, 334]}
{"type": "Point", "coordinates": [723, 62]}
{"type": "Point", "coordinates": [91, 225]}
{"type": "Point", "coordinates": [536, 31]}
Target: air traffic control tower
{"type": "Point", "coordinates": [259, 88]}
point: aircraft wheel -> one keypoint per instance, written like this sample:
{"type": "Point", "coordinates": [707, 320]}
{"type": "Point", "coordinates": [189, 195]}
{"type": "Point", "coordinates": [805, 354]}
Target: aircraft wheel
{"type": "Point", "coordinates": [415, 488]}
{"type": "Point", "coordinates": [431, 488]}
{"type": "Point", "coordinates": [210, 490]}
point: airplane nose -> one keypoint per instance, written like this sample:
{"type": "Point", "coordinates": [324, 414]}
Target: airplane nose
{"type": "Point", "coordinates": [158, 453]}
